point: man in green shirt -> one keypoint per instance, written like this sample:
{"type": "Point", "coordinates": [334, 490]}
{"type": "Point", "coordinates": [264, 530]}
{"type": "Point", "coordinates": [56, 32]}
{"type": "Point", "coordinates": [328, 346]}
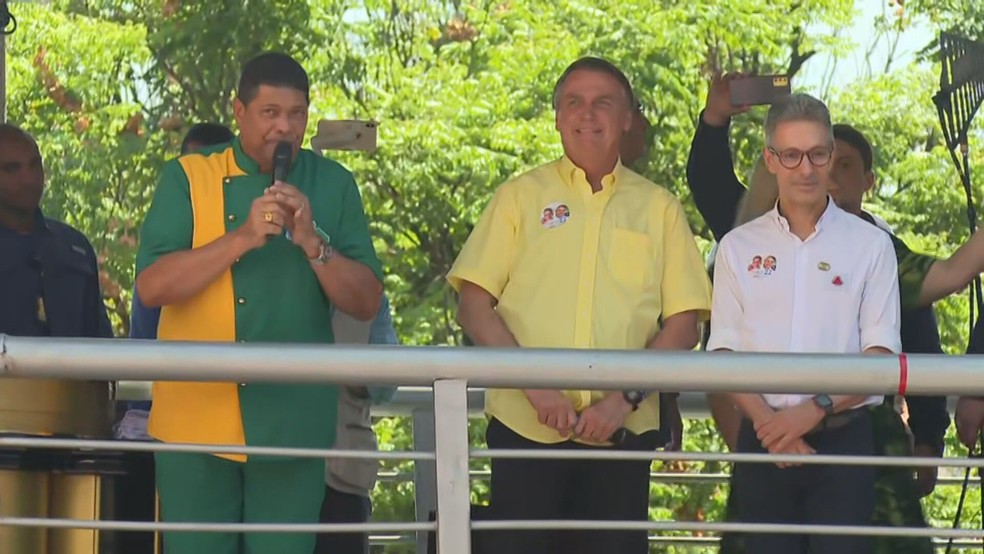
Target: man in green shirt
{"type": "Point", "coordinates": [230, 255]}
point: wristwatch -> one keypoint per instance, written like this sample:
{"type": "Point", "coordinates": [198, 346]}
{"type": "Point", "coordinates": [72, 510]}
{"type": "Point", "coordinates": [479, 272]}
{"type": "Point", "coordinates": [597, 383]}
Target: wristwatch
{"type": "Point", "coordinates": [325, 251]}
{"type": "Point", "coordinates": [825, 403]}
{"type": "Point", "coordinates": [634, 398]}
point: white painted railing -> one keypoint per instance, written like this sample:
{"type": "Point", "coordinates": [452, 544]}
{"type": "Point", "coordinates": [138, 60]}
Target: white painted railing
{"type": "Point", "coordinates": [451, 370]}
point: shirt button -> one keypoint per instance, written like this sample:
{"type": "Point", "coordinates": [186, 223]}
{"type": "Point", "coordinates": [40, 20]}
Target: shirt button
{"type": "Point", "coordinates": [232, 217]}
{"type": "Point", "coordinates": [241, 301]}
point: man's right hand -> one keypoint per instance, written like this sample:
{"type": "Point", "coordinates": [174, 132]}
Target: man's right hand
{"type": "Point", "coordinates": [719, 110]}
{"type": "Point", "coordinates": [267, 217]}
{"type": "Point", "coordinates": [553, 409]}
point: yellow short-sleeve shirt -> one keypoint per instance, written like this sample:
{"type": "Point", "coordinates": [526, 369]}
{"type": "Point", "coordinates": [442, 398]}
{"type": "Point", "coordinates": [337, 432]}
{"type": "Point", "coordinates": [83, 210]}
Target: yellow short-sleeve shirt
{"type": "Point", "coordinates": [576, 269]}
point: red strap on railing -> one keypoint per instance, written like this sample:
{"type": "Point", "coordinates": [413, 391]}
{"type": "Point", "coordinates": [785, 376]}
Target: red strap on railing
{"type": "Point", "coordinates": [903, 374]}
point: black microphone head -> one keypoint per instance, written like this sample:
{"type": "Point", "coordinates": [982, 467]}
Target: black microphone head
{"type": "Point", "coordinates": [281, 160]}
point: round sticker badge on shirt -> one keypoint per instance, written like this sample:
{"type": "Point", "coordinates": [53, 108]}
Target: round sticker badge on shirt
{"type": "Point", "coordinates": [769, 265]}
{"type": "Point", "coordinates": [554, 215]}
{"type": "Point", "coordinates": [761, 266]}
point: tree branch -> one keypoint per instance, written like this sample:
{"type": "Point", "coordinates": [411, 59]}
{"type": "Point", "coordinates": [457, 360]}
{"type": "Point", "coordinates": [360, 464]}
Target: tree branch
{"type": "Point", "coordinates": [796, 57]}
{"type": "Point", "coordinates": [187, 89]}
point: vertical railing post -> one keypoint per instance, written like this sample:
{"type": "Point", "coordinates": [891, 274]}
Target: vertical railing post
{"type": "Point", "coordinates": [3, 77]}
{"type": "Point", "coordinates": [424, 482]}
{"type": "Point", "coordinates": [453, 487]}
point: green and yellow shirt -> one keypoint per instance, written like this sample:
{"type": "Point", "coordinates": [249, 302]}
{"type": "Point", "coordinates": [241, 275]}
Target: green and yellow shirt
{"type": "Point", "coordinates": [269, 295]}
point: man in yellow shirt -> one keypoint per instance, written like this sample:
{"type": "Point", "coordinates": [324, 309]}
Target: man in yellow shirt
{"type": "Point", "coordinates": [620, 271]}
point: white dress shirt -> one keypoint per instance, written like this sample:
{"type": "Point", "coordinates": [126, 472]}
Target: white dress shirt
{"type": "Point", "coordinates": [835, 292]}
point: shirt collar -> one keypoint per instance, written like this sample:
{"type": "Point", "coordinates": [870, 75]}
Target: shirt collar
{"type": "Point", "coordinates": [247, 164]}
{"type": "Point", "coordinates": [574, 175]}
{"type": "Point", "coordinates": [40, 225]}
{"type": "Point", "coordinates": [828, 215]}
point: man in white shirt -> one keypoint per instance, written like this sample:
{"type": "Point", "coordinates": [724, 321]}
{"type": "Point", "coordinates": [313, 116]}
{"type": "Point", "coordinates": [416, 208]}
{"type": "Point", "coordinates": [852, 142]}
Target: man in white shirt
{"type": "Point", "coordinates": [831, 286]}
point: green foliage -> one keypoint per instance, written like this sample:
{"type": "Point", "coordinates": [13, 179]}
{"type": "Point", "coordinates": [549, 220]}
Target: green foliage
{"type": "Point", "coordinates": [78, 98]}
{"type": "Point", "coordinates": [462, 92]}
{"type": "Point", "coordinates": [964, 17]}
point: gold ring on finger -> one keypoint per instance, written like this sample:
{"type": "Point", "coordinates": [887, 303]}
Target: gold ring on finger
{"type": "Point", "coordinates": [268, 217]}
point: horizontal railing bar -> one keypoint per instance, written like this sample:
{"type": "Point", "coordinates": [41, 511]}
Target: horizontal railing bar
{"type": "Point", "coordinates": [819, 459]}
{"type": "Point", "coordinates": [670, 540]}
{"type": "Point", "coordinates": [136, 446]}
{"type": "Point", "coordinates": [722, 478]}
{"type": "Point", "coordinates": [216, 527]}
{"type": "Point", "coordinates": [779, 528]}
{"type": "Point", "coordinates": [655, 477]}
{"type": "Point", "coordinates": [715, 541]}
{"type": "Point", "coordinates": [139, 446]}
{"type": "Point", "coordinates": [410, 399]}
{"type": "Point", "coordinates": [391, 539]}
{"type": "Point", "coordinates": [666, 526]}
{"type": "Point", "coordinates": [142, 360]}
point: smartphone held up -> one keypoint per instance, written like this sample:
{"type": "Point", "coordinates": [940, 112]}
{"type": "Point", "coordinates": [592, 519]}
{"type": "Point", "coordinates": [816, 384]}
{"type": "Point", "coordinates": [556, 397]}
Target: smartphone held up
{"type": "Point", "coordinates": [757, 90]}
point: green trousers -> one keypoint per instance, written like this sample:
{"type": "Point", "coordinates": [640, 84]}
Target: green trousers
{"type": "Point", "coordinates": [202, 488]}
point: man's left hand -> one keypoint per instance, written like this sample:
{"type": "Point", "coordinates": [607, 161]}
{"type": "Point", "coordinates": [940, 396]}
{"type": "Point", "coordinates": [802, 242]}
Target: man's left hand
{"type": "Point", "coordinates": [301, 224]}
{"type": "Point", "coordinates": [925, 476]}
{"type": "Point", "coordinates": [783, 427]}
{"type": "Point", "coordinates": [599, 421]}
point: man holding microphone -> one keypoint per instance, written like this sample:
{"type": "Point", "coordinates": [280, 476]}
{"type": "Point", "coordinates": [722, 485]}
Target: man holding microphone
{"type": "Point", "coordinates": [215, 254]}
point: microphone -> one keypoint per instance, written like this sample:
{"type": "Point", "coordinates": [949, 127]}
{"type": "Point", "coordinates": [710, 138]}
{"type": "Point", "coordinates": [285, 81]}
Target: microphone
{"type": "Point", "coordinates": [281, 163]}
{"type": "Point", "coordinates": [281, 160]}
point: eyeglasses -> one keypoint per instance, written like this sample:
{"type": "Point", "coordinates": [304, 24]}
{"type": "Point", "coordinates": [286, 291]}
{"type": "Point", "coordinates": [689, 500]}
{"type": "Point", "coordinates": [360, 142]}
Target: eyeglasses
{"type": "Point", "coordinates": [792, 158]}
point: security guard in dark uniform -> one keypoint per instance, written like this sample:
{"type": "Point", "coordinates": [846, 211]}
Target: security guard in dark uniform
{"type": "Point", "coordinates": [49, 287]}
{"type": "Point", "coordinates": [49, 280]}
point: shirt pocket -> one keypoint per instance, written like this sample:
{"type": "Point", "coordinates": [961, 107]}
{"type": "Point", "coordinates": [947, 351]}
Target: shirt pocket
{"type": "Point", "coordinates": [630, 254]}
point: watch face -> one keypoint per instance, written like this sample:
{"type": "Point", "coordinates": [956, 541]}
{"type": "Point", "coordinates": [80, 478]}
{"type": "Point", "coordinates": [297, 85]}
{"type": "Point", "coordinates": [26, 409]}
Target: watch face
{"type": "Point", "coordinates": [824, 401]}
{"type": "Point", "coordinates": [635, 396]}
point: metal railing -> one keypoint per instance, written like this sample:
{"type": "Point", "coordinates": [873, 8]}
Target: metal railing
{"type": "Point", "coordinates": [417, 404]}
{"type": "Point", "coordinates": [452, 370]}
{"type": "Point", "coordinates": [137, 360]}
